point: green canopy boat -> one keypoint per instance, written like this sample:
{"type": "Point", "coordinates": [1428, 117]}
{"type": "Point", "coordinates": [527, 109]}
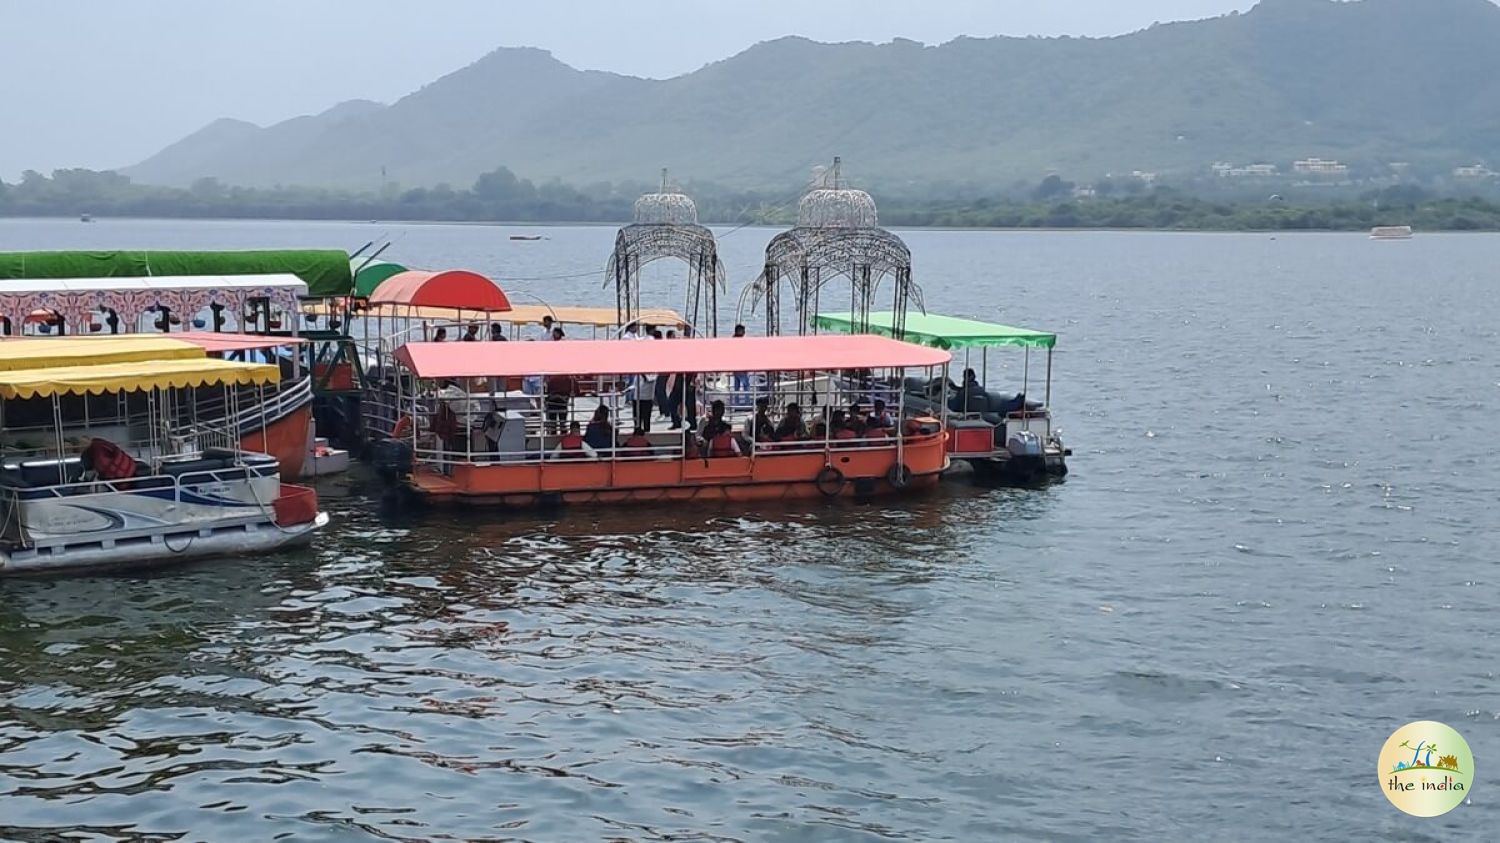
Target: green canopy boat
{"type": "Point", "coordinates": [326, 272]}
{"type": "Point", "coordinates": [369, 274]}
{"type": "Point", "coordinates": [1005, 437]}
{"type": "Point", "coordinates": [948, 332]}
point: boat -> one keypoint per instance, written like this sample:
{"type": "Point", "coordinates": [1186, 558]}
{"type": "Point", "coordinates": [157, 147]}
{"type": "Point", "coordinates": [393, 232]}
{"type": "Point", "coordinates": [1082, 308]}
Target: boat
{"type": "Point", "coordinates": [249, 305]}
{"type": "Point", "coordinates": [86, 218]}
{"type": "Point", "coordinates": [1391, 232]}
{"type": "Point", "coordinates": [72, 498]}
{"type": "Point", "coordinates": [526, 237]}
{"type": "Point", "coordinates": [493, 449]}
{"type": "Point", "coordinates": [1003, 437]}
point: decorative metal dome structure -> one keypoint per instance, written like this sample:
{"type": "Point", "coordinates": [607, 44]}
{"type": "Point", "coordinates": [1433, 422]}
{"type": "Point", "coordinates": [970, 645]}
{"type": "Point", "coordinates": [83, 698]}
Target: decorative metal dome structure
{"type": "Point", "coordinates": [666, 226]}
{"type": "Point", "coordinates": [838, 234]}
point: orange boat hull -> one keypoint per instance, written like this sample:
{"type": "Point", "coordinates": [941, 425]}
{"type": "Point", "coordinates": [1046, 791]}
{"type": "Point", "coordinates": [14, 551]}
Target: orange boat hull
{"type": "Point", "coordinates": [768, 476]}
{"type": "Point", "coordinates": [285, 439]}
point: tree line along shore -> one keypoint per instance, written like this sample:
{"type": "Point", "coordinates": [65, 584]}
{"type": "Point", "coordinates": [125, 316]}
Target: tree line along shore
{"type": "Point", "coordinates": [499, 196]}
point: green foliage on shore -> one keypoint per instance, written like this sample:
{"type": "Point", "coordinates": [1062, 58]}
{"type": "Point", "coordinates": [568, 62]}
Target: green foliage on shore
{"type": "Point", "coordinates": [499, 196]}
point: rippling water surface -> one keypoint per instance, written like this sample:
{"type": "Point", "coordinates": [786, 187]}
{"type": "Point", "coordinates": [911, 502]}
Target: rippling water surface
{"type": "Point", "coordinates": [1276, 547]}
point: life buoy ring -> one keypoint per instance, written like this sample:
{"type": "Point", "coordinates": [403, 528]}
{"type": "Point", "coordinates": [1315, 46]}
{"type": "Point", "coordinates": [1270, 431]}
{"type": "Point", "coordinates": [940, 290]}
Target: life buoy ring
{"type": "Point", "coordinates": [899, 476]}
{"type": "Point", "coordinates": [830, 481]}
{"type": "Point", "coordinates": [403, 427]}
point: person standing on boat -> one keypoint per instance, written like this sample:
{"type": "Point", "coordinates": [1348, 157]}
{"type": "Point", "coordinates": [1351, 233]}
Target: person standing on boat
{"type": "Point", "coordinates": [497, 332]}
{"type": "Point", "coordinates": [546, 333]}
{"type": "Point", "coordinates": [472, 335]}
{"type": "Point", "coordinates": [560, 390]}
{"type": "Point", "coordinates": [740, 386]}
{"type": "Point", "coordinates": [642, 395]}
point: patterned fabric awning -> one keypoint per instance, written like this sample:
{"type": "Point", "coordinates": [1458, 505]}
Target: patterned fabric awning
{"type": "Point", "coordinates": [78, 300]}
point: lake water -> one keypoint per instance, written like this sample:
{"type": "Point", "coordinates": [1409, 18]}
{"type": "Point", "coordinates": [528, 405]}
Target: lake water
{"type": "Point", "coordinates": [1276, 547]}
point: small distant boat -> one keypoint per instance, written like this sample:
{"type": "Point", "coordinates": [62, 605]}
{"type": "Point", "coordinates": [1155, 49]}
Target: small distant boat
{"type": "Point", "coordinates": [526, 237]}
{"type": "Point", "coordinates": [86, 218]}
{"type": "Point", "coordinates": [1391, 232]}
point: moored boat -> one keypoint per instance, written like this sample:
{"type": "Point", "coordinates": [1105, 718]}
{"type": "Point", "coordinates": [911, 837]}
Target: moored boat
{"type": "Point", "coordinates": [1004, 437]}
{"type": "Point", "coordinates": [488, 447]}
{"type": "Point", "coordinates": [73, 499]}
{"type": "Point", "coordinates": [1391, 232]}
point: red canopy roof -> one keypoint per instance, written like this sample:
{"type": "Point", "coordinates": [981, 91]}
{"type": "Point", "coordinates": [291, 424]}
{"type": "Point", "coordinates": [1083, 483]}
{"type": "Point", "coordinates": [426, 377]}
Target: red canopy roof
{"type": "Point", "coordinates": [459, 289]}
{"type": "Point", "coordinates": [638, 357]}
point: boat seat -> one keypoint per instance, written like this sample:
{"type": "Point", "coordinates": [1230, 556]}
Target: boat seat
{"type": "Point", "coordinates": [36, 473]}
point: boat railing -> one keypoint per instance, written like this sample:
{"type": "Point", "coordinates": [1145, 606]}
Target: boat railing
{"type": "Point", "coordinates": [430, 451]}
{"type": "Point", "coordinates": [168, 480]}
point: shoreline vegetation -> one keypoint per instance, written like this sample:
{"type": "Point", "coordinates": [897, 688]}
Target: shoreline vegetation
{"type": "Point", "coordinates": [500, 197]}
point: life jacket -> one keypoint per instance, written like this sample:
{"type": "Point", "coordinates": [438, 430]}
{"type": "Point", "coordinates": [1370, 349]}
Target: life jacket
{"type": "Point", "coordinates": [722, 445]}
{"type": "Point", "coordinates": [572, 445]}
{"type": "Point", "coordinates": [403, 427]}
{"type": "Point", "coordinates": [637, 441]}
{"type": "Point", "coordinates": [845, 433]}
{"type": "Point", "coordinates": [108, 461]}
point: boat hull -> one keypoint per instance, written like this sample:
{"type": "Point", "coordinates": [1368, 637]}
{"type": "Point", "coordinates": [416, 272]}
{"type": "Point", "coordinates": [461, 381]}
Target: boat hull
{"type": "Point", "coordinates": [286, 439]}
{"type": "Point", "coordinates": [852, 473]}
{"type": "Point", "coordinates": [158, 549]}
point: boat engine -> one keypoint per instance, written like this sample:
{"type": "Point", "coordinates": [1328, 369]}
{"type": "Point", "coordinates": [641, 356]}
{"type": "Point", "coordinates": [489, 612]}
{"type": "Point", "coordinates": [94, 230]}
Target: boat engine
{"type": "Point", "coordinates": [391, 459]}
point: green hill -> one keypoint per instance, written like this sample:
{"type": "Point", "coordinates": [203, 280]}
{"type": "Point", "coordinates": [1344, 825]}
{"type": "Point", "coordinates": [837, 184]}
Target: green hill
{"type": "Point", "coordinates": [1365, 82]}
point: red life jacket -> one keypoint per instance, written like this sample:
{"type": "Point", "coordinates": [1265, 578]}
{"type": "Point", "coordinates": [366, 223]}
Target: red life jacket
{"type": "Point", "coordinates": [572, 445]}
{"type": "Point", "coordinates": [845, 433]}
{"type": "Point", "coordinates": [108, 461]}
{"type": "Point", "coordinates": [722, 445]}
{"type": "Point", "coordinates": [637, 442]}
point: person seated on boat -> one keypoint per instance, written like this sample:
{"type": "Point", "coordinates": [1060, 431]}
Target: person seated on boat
{"type": "Point", "coordinates": [880, 418]}
{"type": "Point", "coordinates": [546, 333]}
{"type": "Point", "coordinates": [791, 428]}
{"type": "Point", "coordinates": [600, 433]}
{"type": "Point", "coordinates": [857, 421]}
{"type": "Point", "coordinates": [572, 445]}
{"type": "Point", "coordinates": [718, 435]}
{"type": "Point", "coordinates": [637, 444]}
{"type": "Point", "coordinates": [471, 335]}
{"type": "Point", "coordinates": [497, 332]}
{"type": "Point", "coordinates": [557, 334]}
{"type": "Point", "coordinates": [758, 427]}
{"type": "Point", "coordinates": [440, 335]}
{"type": "Point", "coordinates": [839, 428]}
{"type": "Point", "coordinates": [105, 460]}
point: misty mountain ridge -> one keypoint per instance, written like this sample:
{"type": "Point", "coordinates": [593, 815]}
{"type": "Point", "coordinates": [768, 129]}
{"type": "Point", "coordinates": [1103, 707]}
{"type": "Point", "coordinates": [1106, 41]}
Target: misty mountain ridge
{"type": "Point", "coordinates": [1366, 82]}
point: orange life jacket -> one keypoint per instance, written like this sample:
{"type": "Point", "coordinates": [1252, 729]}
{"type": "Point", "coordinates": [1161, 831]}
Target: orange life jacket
{"type": "Point", "coordinates": [403, 427]}
{"type": "Point", "coordinates": [722, 445]}
{"type": "Point", "coordinates": [637, 441]}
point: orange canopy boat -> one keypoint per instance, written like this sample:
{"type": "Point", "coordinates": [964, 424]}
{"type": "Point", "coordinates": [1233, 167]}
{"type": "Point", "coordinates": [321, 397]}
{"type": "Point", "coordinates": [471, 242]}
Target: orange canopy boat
{"type": "Point", "coordinates": [462, 440]}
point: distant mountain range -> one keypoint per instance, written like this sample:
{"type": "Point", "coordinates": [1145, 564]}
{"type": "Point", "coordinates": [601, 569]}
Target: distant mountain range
{"type": "Point", "coordinates": [1366, 82]}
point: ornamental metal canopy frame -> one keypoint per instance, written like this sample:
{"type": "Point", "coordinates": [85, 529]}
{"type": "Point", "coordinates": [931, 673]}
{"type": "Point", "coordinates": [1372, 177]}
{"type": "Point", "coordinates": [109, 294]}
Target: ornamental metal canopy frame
{"type": "Point", "coordinates": [666, 226]}
{"type": "Point", "coordinates": [838, 235]}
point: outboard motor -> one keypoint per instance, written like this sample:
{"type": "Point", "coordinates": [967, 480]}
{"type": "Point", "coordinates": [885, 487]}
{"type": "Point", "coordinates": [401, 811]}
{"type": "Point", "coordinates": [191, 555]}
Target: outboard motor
{"type": "Point", "coordinates": [1027, 459]}
{"type": "Point", "coordinates": [392, 459]}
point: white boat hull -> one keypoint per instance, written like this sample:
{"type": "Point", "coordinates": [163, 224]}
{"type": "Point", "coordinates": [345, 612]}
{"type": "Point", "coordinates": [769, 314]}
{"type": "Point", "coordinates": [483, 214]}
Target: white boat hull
{"type": "Point", "coordinates": [158, 548]}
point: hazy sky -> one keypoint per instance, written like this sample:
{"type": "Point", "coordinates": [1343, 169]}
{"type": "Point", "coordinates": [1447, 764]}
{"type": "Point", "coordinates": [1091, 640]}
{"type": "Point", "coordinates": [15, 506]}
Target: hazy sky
{"type": "Point", "coordinates": [105, 83]}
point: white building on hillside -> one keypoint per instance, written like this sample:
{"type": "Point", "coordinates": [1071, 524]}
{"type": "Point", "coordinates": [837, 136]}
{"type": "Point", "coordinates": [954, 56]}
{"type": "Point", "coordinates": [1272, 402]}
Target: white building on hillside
{"type": "Point", "coordinates": [1320, 167]}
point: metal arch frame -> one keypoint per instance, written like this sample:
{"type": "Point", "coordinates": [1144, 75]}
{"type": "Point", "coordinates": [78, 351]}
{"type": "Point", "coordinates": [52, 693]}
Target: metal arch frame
{"type": "Point", "coordinates": [639, 244]}
{"type": "Point", "coordinates": [809, 257]}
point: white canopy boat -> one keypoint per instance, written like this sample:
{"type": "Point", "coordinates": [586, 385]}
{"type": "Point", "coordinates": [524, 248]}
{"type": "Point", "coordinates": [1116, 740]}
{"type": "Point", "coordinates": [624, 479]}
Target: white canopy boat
{"type": "Point", "coordinates": [154, 498]}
